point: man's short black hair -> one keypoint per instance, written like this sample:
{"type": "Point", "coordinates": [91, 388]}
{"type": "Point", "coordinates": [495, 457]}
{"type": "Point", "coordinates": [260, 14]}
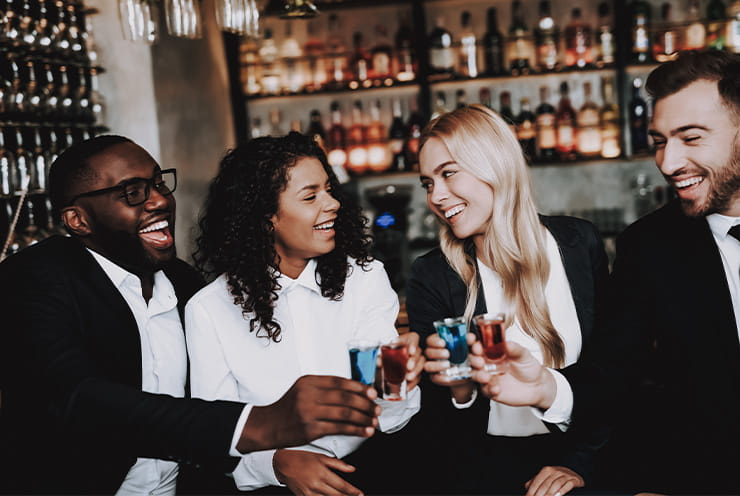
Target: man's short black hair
{"type": "Point", "coordinates": [72, 166]}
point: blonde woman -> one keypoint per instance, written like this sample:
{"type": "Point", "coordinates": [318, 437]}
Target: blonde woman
{"type": "Point", "coordinates": [497, 254]}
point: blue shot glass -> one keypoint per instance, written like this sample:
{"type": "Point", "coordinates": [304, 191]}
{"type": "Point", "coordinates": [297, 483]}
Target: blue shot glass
{"type": "Point", "coordinates": [363, 359]}
{"type": "Point", "coordinates": [454, 332]}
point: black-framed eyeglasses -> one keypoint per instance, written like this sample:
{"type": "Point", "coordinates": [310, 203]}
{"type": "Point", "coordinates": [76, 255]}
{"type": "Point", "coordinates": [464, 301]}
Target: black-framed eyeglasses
{"type": "Point", "coordinates": [136, 191]}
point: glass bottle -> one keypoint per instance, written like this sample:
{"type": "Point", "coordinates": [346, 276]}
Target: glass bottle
{"type": "Point", "coordinates": [440, 104]}
{"type": "Point", "coordinates": [360, 63]}
{"type": "Point", "coordinates": [578, 41]}
{"type": "Point", "coordinates": [336, 140]}
{"type": "Point", "coordinates": [255, 130]}
{"type": "Point", "coordinates": [44, 33]}
{"type": "Point", "coordinates": [588, 132]}
{"type": "Point", "coordinates": [565, 123]}
{"type": "Point", "coordinates": [405, 58]}
{"type": "Point", "coordinates": [74, 34]}
{"type": "Point", "coordinates": [8, 171]}
{"type": "Point", "coordinates": [249, 63]}
{"type": "Point", "coordinates": [291, 53]}
{"type": "Point", "coordinates": [640, 12]}
{"type": "Point", "coordinates": [414, 125]}
{"type": "Point", "coordinates": [28, 31]}
{"type": "Point", "coordinates": [520, 45]}
{"type": "Point", "coordinates": [275, 123]}
{"type": "Point", "coordinates": [381, 57]}
{"type": "Point", "coordinates": [356, 141]}
{"type": "Point", "coordinates": [379, 158]}
{"type": "Point", "coordinates": [65, 100]}
{"type": "Point", "coordinates": [484, 97]}
{"type": "Point", "coordinates": [16, 106]}
{"type": "Point", "coordinates": [696, 33]}
{"type": "Point", "coordinates": [40, 161]}
{"type": "Point", "coordinates": [638, 119]}
{"type": "Point", "coordinates": [545, 125]}
{"type": "Point", "coordinates": [336, 51]}
{"type": "Point", "coordinates": [609, 120]}
{"type": "Point", "coordinates": [605, 37]}
{"type": "Point", "coordinates": [546, 39]}
{"type": "Point", "coordinates": [268, 52]}
{"type": "Point", "coordinates": [97, 101]}
{"type": "Point", "coordinates": [316, 128]}
{"type": "Point", "coordinates": [60, 39]}
{"type": "Point", "coordinates": [12, 24]}
{"type": "Point", "coordinates": [315, 51]}
{"type": "Point", "coordinates": [24, 165]}
{"type": "Point", "coordinates": [35, 94]}
{"type": "Point", "coordinates": [493, 46]}
{"type": "Point", "coordinates": [461, 98]}
{"type": "Point", "coordinates": [441, 59]}
{"type": "Point", "coordinates": [667, 41]}
{"type": "Point", "coordinates": [525, 130]}
{"type": "Point", "coordinates": [31, 232]}
{"type": "Point", "coordinates": [505, 110]}
{"type": "Point", "coordinates": [397, 136]}
{"type": "Point", "coordinates": [468, 59]}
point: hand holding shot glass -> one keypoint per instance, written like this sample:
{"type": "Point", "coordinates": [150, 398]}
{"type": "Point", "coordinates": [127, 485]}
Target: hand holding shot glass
{"type": "Point", "coordinates": [363, 360]}
{"type": "Point", "coordinates": [395, 358]}
{"type": "Point", "coordinates": [489, 329]}
{"type": "Point", "coordinates": [453, 331]}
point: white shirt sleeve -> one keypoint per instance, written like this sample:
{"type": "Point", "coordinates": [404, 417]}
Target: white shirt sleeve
{"type": "Point", "coordinates": [561, 409]}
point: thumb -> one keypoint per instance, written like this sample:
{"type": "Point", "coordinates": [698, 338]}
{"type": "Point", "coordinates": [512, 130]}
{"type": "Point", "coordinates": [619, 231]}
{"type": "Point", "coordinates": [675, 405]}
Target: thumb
{"type": "Point", "coordinates": [337, 464]}
{"type": "Point", "coordinates": [515, 351]}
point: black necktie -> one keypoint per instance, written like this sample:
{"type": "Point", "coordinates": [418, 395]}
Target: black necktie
{"type": "Point", "coordinates": [735, 232]}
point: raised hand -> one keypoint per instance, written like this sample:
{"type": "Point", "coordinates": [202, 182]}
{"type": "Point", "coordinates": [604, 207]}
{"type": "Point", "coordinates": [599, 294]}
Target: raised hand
{"type": "Point", "coordinates": [307, 473]}
{"type": "Point", "coordinates": [438, 356]}
{"type": "Point", "coordinates": [315, 406]}
{"type": "Point", "coordinates": [526, 381]}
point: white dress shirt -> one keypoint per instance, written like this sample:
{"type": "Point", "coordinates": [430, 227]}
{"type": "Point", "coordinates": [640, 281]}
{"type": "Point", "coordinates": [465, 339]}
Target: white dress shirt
{"type": "Point", "coordinates": [229, 362]}
{"type": "Point", "coordinates": [729, 250]}
{"type": "Point", "coordinates": [505, 420]}
{"type": "Point", "coordinates": [163, 364]}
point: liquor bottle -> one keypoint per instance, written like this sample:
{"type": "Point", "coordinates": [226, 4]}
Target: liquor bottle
{"type": "Point", "coordinates": [40, 160]}
{"type": "Point", "coordinates": [249, 63]}
{"type": "Point", "coordinates": [605, 37]}
{"type": "Point", "coordinates": [667, 42]}
{"type": "Point", "coordinates": [520, 46]}
{"type": "Point", "coordinates": [293, 79]}
{"type": "Point", "coordinates": [379, 158]}
{"type": "Point", "coordinates": [81, 107]}
{"type": "Point", "coordinates": [640, 12]}
{"type": "Point", "coordinates": [696, 33]}
{"type": "Point", "coordinates": [733, 27]}
{"type": "Point", "coordinates": [255, 130]}
{"type": "Point", "coordinates": [441, 58]}
{"type": "Point", "coordinates": [565, 123]}
{"type": "Point", "coordinates": [413, 132]}
{"type": "Point", "coordinates": [8, 171]}
{"type": "Point", "coordinates": [468, 60]}
{"type": "Point", "coordinates": [546, 134]}
{"type": "Point", "coordinates": [314, 50]}
{"type": "Point", "coordinates": [31, 233]}
{"type": "Point", "coordinates": [461, 99]}
{"type": "Point", "coordinates": [609, 121]}
{"type": "Point", "coordinates": [505, 110]}
{"type": "Point", "coordinates": [44, 31]}
{"type": "Point", "coordinates": [546, 39]}
{"type": "Point", "coordinates": [53, 225]}
{"type": "Point", "coordinates": [405, 58]}
{"type": "Point", "coordinates": [275, 123]}
{"type": "Point", "coordinates": [440, 104]}
{"type": "Point", "coordinates": [493, 46]}
{"type": "Point", "coordinates": [715, 24]}
{"type": "Point", "coordinates": [24, 165]}
{"type": "Point", "coordinates": [12, 24]}
{"type": "Point", "coordinates": [60, 39]}
{"type": "Point", "coordinates": [397, 137]}
{"type": "Point", "coordinates": [316, 128]}
{"type": "Point", "coordinates": [16, 103]}
{"type": "Point", "coordinates": [338, 73]}
{"type": "Point", "coordinates": [74, 34]}
{"type": "Point", "coordinates": [53, 147]}
{"type": "Point", "coordinates": [52, 99]}
{"type": "Point", "coordinates": [97, 100]}
{"type": "Point", "coordinates": [35, 95]}
{"type": "Point", "coordinates": [27, 26]}
{"type": "Point", "coordinates": [638, 113]}
{"type": "Point", "coordinates": [356, 141]}
{"type": "Point", "coordinates": [588, 132]}
{"type": "Point", "coordinates": [88, 39]}
{"type": "Point", "coordinates": [360, 63]}
{"type": "Point", "coordinates": [578, 41]}
{"type": "Point", "coordinates": [381, 57]}
{"type": "Point", "coordinates": [295, 126]}
{"type": "Point", "coordinates": [484, 97]}
{"type": "Point", "coordinates": [336, 141]}
{"type": "Point", "coordinates": [268, 52]}
{"type": "Point", "coordinates": [525, 130]}
{"type": "Point", "coordinates": [66, 102]}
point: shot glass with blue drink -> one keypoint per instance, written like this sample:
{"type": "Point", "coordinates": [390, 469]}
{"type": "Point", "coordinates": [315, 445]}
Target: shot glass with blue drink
{"type": "Point", "coordinates": [363, 360]}
{"type": "Point", "coordinates": [454, 332]}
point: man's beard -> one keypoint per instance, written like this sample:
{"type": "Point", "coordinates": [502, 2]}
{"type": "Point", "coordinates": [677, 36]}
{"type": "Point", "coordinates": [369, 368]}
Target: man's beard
{"type": "Point", "coordinates": [724, 188]}
{"type": "Point", "coordinates": [127, 250]}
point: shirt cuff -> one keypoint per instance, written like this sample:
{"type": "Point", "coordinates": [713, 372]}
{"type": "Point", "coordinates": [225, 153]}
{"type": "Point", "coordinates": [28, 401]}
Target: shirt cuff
{"type": "Point", "coordinates": [255, 470]}
{"type": "Point", "coordinates": [238, 430]}
{"type": "Point", "coordinates": [396, 414]}
{"type": "Point", "coordinates": [562, 407]}
{"type": "Point", "coordinates": [467, 404]}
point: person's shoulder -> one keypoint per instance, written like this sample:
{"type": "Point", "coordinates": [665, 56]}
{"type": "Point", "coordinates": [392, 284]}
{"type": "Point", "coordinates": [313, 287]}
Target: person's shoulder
{"type": "Point", "coordinates": [569, 230]}
{"type": "Point", "coordinates": [659, 224]}
{"type": "Point", "coordinates": [215, 291]}
{"type": "Point", "coordinates": [51, 254]}
{"type": "Point", "coordinates": [432, 258]}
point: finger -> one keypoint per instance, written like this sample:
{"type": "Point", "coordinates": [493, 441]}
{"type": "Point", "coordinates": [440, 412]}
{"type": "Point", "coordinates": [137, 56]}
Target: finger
{"type": "Point", "coordinates": [346, 414]}
{"type": "Point", "coordinates": [515, 351]}
{"type": "Point", "coordinates": [337, 464]}
{"type": "Point", "coordinates": [434, 341]}
{"type": "Point", "coordinates": [412, 342]}
{"type": "Point", "coordinates": [437, 353]}
{"type": "Point", "coordinates": [415, 371]}
{"type": "Point", "coordinates": [555, 479]}
{"type": "Point", "coordinates": [472, 338]}
{"type": "Point", "coordinates": [476, 349]}
{"type": "Point", "coordinates": [336, 485]}
{"type": "Point", "coordinates": [321, 428]}
{"type": "Point", "coordinates": [535, 482]}
{"type": "Point", "coordinates": [481, 376]}
{"type": "Point", "coordinates": [477, 362]}
{"type": "Point", "coordinates": [436, 366]}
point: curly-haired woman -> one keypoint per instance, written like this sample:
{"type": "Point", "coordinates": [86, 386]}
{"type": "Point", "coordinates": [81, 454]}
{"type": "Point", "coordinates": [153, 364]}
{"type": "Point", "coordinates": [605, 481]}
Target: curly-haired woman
{"type": "Point", "coordinates": [498, 255]}
{"type": "Point", "coordinates": [295, 284]}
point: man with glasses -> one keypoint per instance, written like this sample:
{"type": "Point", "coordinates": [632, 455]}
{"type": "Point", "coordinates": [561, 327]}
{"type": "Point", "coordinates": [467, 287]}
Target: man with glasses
{"type": "Point", "coordinates": [93, 363]}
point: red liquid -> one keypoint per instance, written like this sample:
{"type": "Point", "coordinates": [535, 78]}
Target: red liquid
{"type": "Point", "coordinates": [395, 359]}
{"type": "Point", "coordinates": [492, 339]}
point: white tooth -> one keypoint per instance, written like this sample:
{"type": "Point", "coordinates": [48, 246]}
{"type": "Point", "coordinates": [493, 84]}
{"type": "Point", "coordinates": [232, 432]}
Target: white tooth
{"type": "Point", "coordinates": [155, 227]}
{"type": "Point", "coordinates": [453, 211]}
{"type": "Point", "coordinates": [688, 182]}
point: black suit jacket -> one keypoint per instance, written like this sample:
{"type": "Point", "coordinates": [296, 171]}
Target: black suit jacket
{"type": "Point", "coordinates": [435, 291]}
{"type": "Point", "coordinates": [73, 416]}
{"type": "Point", "coordinates": [668, 363]}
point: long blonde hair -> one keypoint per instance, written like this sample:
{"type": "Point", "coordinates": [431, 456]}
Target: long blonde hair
{"type": "Point", "coordinates": [514, 245]}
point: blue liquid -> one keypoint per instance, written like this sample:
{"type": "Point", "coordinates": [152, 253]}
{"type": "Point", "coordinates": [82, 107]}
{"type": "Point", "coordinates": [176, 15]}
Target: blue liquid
{"type": "Point", "coordinates": [362, 363]}
{"type": "Point", "coordinates": [455, 338]}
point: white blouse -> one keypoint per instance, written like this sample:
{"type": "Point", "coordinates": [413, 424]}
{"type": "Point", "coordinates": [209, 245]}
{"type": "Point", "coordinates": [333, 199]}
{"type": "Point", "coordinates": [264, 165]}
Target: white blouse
{"type": "Point", "coordinates": [505, 420]}
{"type": "Point", "coordinates": [229, 362]}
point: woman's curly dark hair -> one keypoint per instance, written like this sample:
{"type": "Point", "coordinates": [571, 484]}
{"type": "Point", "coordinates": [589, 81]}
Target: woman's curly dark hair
{"type": "Point", "coordinates": [237, 236]}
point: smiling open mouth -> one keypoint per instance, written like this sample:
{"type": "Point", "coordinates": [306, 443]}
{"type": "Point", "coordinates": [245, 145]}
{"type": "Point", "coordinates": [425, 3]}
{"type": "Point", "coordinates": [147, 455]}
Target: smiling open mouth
{"type": "Point", "coordinates": [688, 182]}
{"type": "Point", "coordinates": [325, 226]}
{"type": "Point", "coordinates": [454, 211]}
{"type": "Point", "coordinates": [157, 235]}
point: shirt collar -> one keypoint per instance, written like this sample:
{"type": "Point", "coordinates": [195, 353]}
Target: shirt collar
{"type": "Point", "coordinates": [307, 279]}
{"type": "Point", "coordinates": [720, 224]}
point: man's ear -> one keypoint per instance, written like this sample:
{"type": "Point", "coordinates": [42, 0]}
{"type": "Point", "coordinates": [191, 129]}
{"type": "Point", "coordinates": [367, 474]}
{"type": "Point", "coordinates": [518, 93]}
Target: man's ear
{"type": "Point", "coordinates": [76, 220]}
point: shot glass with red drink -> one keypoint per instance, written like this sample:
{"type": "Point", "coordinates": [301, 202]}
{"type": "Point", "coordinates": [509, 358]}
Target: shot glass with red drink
{"type": "Point", "coordinates": [489, 328]}
{"type": "Point", "coordinates": [395, 358]}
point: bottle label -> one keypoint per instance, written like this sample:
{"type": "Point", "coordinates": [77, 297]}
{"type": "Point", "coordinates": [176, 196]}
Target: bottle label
{"type": "Point", "coordinates": [696, 36]}
{"type": "Point", "coordinates": [606, 42]}
{"type": "Point", "coordinates": [565, 137]}
{"type": "Point", "coordinates": [548, 53]}
{"type": "Point", "coordinates": [640, 38]}
{"type": "Point", "coordinates": [525, 130]}
{"type": "Point", "coordinates": [441, 59]}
